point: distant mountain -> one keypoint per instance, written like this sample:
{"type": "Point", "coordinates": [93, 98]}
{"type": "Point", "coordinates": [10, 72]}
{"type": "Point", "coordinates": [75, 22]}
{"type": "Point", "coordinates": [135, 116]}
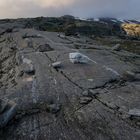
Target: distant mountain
{"type": "Point", "coordinates": [113, 20]}
{"type": "Point", "coordinates": [72, 25]}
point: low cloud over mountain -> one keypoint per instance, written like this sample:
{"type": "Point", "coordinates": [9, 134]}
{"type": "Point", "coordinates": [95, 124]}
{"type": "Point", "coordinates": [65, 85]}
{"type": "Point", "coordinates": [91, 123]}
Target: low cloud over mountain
{"type": "Point", "coordinates": [80, 8]}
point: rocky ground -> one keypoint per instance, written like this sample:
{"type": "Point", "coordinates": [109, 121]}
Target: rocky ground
{"type": "Point", "coordinates": [98, 100]}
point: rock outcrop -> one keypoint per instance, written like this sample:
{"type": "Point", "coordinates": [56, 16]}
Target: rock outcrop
{"type": "Point", "coordinates": [56, 99]}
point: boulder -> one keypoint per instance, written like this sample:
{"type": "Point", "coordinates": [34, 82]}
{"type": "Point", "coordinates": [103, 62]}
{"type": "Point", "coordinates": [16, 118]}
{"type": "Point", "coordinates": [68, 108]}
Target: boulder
{"type": "Point", "coordinates": [78, 58]}
{"type": "Point", "coordinates": [27, 66]}
{"type": "Point", "coordinates": [29, 69]}
{"type": "Point", "coordinates": [61, 36]}
{"type": "Point", "coordinates": [85, 100]}
{"type": "Point", "coordinates": [44, 48]}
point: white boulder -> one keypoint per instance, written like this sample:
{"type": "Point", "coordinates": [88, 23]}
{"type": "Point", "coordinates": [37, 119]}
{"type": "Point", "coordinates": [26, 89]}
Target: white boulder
{"type": "Point", "coordinates": [78, 58]}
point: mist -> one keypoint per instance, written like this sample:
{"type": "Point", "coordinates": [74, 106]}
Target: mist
{"type": "Point", "coordinates": [124, 9]}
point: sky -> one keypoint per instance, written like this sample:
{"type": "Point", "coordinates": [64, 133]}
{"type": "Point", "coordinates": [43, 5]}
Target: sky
{"type": "Point", "coordinates": [123, 9]}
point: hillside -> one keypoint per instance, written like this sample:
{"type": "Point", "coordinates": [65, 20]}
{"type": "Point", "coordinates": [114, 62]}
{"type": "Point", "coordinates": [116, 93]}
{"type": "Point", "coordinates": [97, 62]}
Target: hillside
{"type": "Point", "coordinates": [64, 23]}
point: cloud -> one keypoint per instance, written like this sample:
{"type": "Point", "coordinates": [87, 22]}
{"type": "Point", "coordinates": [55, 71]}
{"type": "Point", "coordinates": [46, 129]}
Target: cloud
{"type": "Point", "coordinates": [54, 3]}
{"type": "Point", "coordinates": [33, 8]}
{"type": "Point", "coordinates": [80, 8]}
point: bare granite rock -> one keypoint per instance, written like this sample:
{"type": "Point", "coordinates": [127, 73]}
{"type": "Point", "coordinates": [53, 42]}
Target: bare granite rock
{"type": "Point", "coordinates": [77, 102]}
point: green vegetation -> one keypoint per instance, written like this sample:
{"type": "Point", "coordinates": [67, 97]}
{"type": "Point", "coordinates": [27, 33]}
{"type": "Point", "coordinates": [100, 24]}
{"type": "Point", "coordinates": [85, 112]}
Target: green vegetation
{"type": "Point", "coordinates": [71, 26]}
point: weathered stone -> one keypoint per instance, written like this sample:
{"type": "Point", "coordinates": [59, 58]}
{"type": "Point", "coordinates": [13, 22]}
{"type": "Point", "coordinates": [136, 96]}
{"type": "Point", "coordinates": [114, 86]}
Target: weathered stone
{"type": "Point", "coordinates": [44, 48]}
{"type": "Point", "coordinates": [94, 92]}
{"type": "Point", "coordinates": [61, 36]}
{"type": "Point", "coordinates": [116, 47]}
{"type": "Point", "coordinates": [54, 108]}
{"type": "Point", "coordinates": [29, 69]}
{"type": "Point", "coordinates": [85, 93]}
{"type": "Point", "coordinates": [88, 93]}
{"type": "Point", "coordinates": [134, 112]}
{"type": "Point", "coordinates": [26, 35]}
{"type": "Point", "coordinates": [78, 58]}
{"type": "Point", "coordinates": [129, 76]}
{"type": "Point", "coordinates": [27, 66]}
{"type": "Point", "coordinates": [57, 65]}
{"type": "Point", "coordinates": [85, 100]}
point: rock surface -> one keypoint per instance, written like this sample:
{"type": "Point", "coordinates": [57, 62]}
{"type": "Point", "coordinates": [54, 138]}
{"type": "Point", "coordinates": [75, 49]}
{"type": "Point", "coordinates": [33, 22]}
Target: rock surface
{"type": "Point", "coordinates": [63, 103]}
